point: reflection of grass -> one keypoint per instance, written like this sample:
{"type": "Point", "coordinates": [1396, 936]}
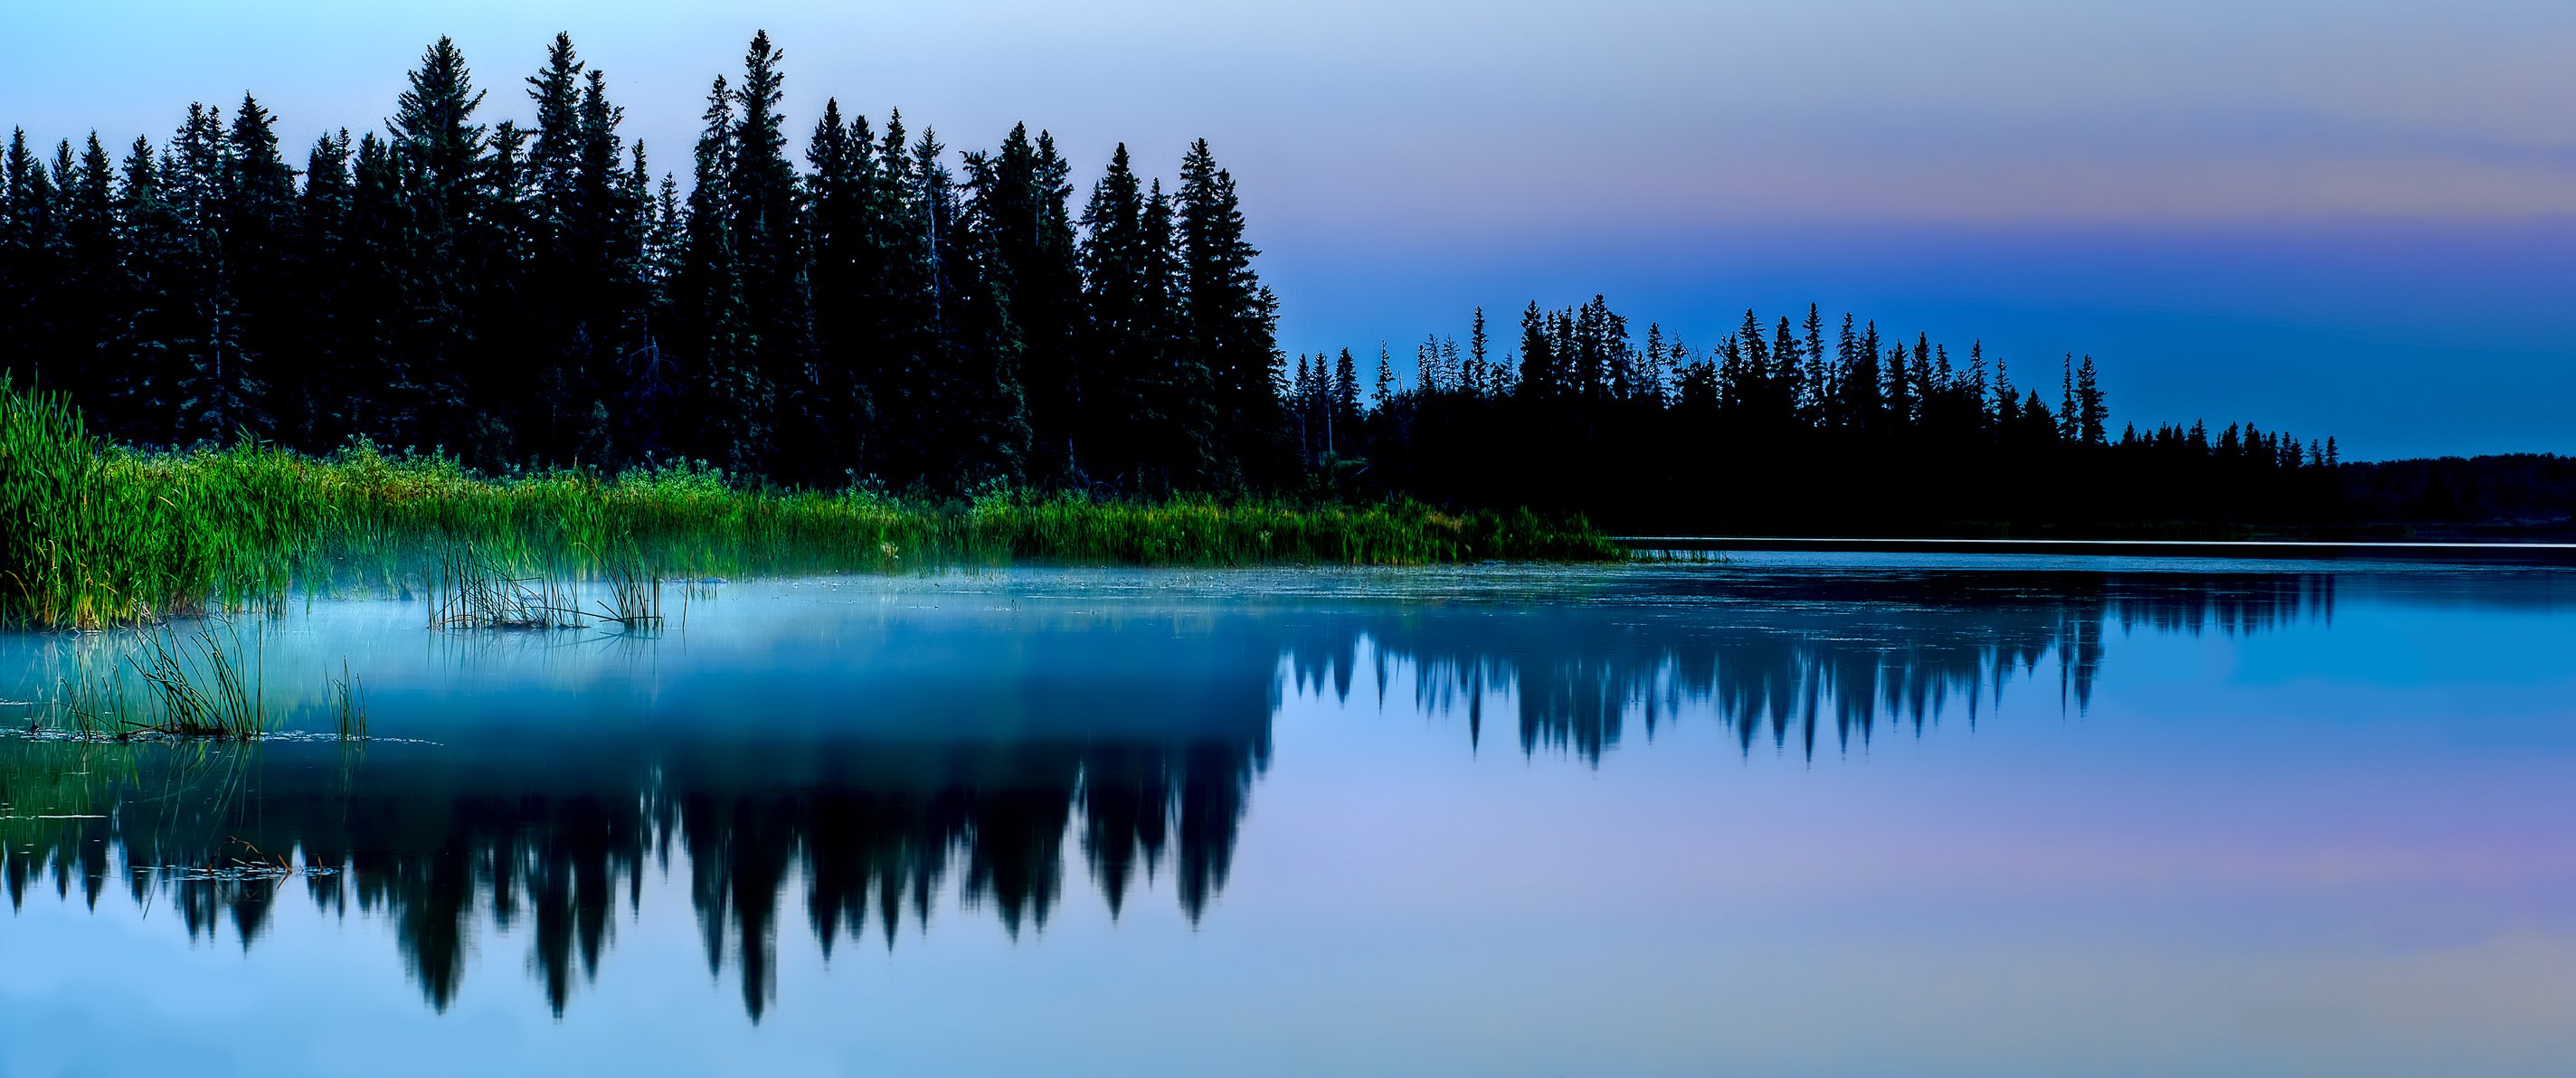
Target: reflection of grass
{"type": "Point", "coordinates": [99, 535]}
{"type": "Point", "coordinates": [173, 808]}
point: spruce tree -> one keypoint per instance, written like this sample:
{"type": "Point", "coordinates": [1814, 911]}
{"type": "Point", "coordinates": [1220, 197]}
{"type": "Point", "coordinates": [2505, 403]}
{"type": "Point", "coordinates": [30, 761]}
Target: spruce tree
{"type": "Point", "coordinates": [847, 274]}
{"type": "Point", "coordinates": [326, 380]}
{"type": "Point", "coordinates": [31, 266]}
{"type": "Point", "coordinates": [728, 402]}
{"type": "Point", "coordinates": [257, 238]}
{"type": "Point", "coordinates": [1120, 350]}
{"type": "Point", "coordinates": [980, 344]}
{"type": "Point", "coordinates": [213, 388]}
{"type": "Point", "coordinates": [554, 300]}
{"type": "Point", "coordinates": [1231, 319]}
{"type": "Point", "coordinates": [93, 283]}
{"type": "Point", "coordinates": [1538, 359]}
{"type": "Point", "coordinates": [1026, 224]}
{"type": "Point", "coordinates": [1192, 452]}
{"type": "Point", "coordinates": [2092, 414]}
{"type": "Point", "coordinates": [761, 201]}
{"type": "Point", "coordinates": [441, 157]}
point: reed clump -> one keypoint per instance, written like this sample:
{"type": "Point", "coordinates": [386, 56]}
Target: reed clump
{"type": "Point", "coordinates": [201, 679]}
{"type": "Point", "coordinates": [105, 535]}
{"type": "Point", "coordinates": [204, 682]}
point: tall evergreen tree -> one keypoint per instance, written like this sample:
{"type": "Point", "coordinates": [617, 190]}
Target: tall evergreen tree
{"type": "Point", "coordinates": [1024, 220]}
{"type": "Point", "coordinates": [762, 202]}
{"type": "Point", "coordinates": [316, 389]}
{"type": "Point", "coordinates": [32, 245]}
{"type": "Point", "coordinates": [978, 347]}
{"type": "Point", "coordinates": [93, 283]}
{"type": "Point", "coordinates": [255, 233]}
{"type": "Point", "coordinates": [1231, 320]}
{"type": "Point", "coordinates": [442, 253]}
{"type": "Point", "coordinates": [729, 402]}
{"type": "Point", "coordinates": [1121, 359]}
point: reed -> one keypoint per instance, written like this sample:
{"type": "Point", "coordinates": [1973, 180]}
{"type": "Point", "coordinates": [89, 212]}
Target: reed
{"type": "Point", "coordinates": [105, 535]}
{"type": "Point", "coordinates": [206, 680]}
{"type": "Point", "coordinates": [348, 703]}
{"type": "Point", "coordinates": [201, 683]}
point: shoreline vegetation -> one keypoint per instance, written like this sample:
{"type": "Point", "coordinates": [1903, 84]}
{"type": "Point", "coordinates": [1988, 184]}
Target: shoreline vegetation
{"type": "Point", "coordinates": [106, 535]}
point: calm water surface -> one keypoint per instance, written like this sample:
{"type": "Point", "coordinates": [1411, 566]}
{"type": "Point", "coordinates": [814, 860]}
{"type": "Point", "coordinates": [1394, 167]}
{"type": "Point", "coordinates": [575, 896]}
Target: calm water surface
{"type": "Point", "coordinates": [1799, 814]}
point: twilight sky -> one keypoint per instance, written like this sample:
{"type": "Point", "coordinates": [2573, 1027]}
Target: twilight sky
{"type": "Point", "coordinates": [2354, 217]}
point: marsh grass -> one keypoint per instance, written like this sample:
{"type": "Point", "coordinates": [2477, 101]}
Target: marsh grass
{"type": "Point", "coordinates": [348, 703]}
{"type": "Point", "coordinates": [468, 590]}
{"type": "Point", "coordinates": [104, 535]}
{"type": "Point", "coordinates": [163, 680]}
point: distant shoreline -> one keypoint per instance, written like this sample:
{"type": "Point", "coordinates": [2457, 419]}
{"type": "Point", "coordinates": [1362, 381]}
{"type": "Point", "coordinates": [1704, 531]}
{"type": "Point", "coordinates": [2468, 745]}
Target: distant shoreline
{"type": "Point", "coordinates": [2322, 549]}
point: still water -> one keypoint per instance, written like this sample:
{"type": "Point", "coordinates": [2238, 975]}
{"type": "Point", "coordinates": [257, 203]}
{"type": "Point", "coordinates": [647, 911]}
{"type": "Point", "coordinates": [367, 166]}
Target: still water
{"type": "Point", "coordinates": [1796, 814]}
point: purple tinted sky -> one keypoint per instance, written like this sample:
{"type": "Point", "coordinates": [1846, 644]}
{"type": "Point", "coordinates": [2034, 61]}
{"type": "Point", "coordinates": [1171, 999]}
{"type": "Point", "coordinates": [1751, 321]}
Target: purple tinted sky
{"type": "Point", "coordinates": [2348, 217]}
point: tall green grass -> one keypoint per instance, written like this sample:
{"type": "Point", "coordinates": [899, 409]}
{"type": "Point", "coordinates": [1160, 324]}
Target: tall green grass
{"type": "Point", "coordinates": [98, 534]}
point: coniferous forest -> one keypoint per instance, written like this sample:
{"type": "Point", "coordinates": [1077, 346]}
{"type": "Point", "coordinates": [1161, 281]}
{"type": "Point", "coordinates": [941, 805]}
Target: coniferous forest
{"type": "Point", "coordinates": [887, 312]}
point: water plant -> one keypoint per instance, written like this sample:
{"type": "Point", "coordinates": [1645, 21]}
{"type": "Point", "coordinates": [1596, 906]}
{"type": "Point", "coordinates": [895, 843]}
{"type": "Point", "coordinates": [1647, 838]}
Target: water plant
{"type": "Point", "coordinates": [205, 680]}
{"type": "Point", "coordinates": [471, 590]}
{"type": "Point", "coordinates": [348, 703]}
{"type": "Point", "coordinates": [200, 683]}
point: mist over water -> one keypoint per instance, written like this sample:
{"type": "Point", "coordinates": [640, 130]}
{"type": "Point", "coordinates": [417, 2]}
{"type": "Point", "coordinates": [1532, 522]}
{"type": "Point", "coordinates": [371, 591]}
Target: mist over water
{"type": "Point", "coordinates": [1795, 814]}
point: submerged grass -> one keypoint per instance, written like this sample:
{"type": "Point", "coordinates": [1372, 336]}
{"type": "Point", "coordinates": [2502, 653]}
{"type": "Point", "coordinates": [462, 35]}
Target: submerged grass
{"type": "Point", "coordinates": [102, 535]}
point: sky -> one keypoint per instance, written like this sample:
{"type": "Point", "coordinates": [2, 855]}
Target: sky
{"type": "Point", "coordinates": [2346, 217]}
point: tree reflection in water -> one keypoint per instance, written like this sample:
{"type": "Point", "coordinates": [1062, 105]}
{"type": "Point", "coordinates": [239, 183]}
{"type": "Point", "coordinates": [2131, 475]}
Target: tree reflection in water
{"type": "Point", "coordinates": [1141, 743]}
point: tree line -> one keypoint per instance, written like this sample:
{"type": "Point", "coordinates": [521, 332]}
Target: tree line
{"type": "Point", "coordinates": [1804, 424]}
{"type": "Point", "coordinates": [533, 295]}
{"type": "Point", "coordinates": [890, 311]}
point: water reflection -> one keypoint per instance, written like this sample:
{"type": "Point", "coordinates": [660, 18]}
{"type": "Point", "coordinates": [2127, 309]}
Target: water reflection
{"type": "Point", "coordinates": [1789, 657]}
{"type": "Point", "coordinates": [899, 756]}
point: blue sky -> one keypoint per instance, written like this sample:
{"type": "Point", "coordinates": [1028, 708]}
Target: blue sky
{"type": "Point", "coordinates": [2347, 217]}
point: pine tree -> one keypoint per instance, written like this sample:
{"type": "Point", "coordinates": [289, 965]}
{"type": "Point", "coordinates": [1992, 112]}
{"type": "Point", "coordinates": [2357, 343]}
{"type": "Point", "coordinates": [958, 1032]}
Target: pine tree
{"type": "Point", "coordinates": [1027, 226]}
{"type": "Point", "coordinates": [94, 277]}
{"type": "Point", "coordinates": [2092, 415]}
{"type": "Point", "coordinates": [319, 391]}
{"type": "Point", "coordinates": [979, 340]}
{"type": "Point", "coordinates": [138, 372]}
{"type": "Point", "coordinates": [445, 252]}
{"type": "Point", "coordinates": [255, 231]}
{"type": "Point", "coordinates": [1477, 358]}
{"type": "Point", "coordinates": [605, 235]}
{"type": "Point", "coordinates": [556, 301]}
{"type": "Point", "coordinates": [396, 387]}
{"type": "Point", "coordinates": [1815, 380]}
{"type": "Point", "coordinates": [761, 201]}
{"type": "Point", "coordinates": [213, 388]}
{"type": "Point", "coordinates": [846, 227]}
{"type": "Point", "coordinates": [1538, 359]}
{"type": "Point", "coordinates": [1346, 399]}
{"type": "Point", "coordinates": [728, 404]}
{"type": "Point", "coordinates": [1230, 319]}
{"type": "Point", "coordinates": [1120, 364]}
{"type": "Point", "coordinates": [1195, 456]}
{"type": "Point", "coordinates": [31, 266]}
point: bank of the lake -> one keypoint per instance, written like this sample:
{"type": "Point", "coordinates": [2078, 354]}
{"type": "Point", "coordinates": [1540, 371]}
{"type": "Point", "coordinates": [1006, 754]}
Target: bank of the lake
{"type": "Point", "coordinates": [102, 534]}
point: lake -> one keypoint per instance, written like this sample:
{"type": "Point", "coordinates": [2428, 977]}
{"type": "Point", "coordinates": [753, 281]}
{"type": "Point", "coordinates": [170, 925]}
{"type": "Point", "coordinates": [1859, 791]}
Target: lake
{"type": "Point", "coordinates": [1797, 813]}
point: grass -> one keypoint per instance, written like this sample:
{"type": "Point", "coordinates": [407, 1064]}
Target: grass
{"type": "Point", "coordinates": [204, 680]}
{"type": "Point", "coordinates": [104, 535]}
